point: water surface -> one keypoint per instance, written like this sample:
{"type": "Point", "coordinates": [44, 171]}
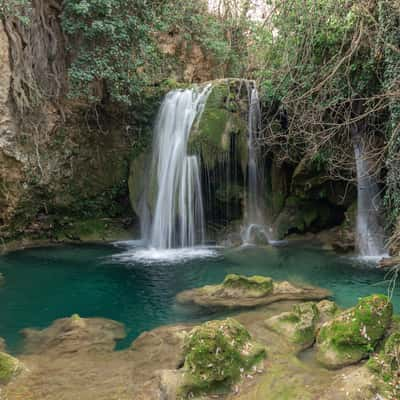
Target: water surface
{"type": "Point", "coordinates": [138, 286]}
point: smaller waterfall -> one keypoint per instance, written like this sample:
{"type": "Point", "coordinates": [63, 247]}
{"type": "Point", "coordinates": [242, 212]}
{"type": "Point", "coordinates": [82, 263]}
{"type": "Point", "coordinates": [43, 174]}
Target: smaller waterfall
{"type": "Point", "coordinates": [255, 219]}
{"type": "Point", "coordinates": [178, 219]}
{"type": "Point", "coordinates": [370, 236]}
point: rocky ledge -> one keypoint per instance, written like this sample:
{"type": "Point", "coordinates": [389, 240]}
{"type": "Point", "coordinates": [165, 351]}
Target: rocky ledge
{"type": "Point", "coordinates": [238, 291]}
{"type": "Point", "coordinates": [255, 355]}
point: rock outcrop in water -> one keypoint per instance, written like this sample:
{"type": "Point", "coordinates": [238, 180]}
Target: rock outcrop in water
{"type": "Point", "coordinates": [240, 291]}
{"type": "Point", "coordinates": [353, 334]}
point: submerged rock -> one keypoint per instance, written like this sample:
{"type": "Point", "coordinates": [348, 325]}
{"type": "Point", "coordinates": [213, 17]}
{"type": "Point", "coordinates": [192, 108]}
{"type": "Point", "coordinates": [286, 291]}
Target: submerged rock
{"type": "Point", "coordinates": [216, 354]}
{"type": "Point", "coordinates": [74, 334]}
{"type": "Point", "coordinates": [354, 333]}
{"type": "Point", "coordinates": [241, 291]}
{"type": "Point", "coordinates": [9, 367]}
{"type": "Point", "coordinates": [299, 325]}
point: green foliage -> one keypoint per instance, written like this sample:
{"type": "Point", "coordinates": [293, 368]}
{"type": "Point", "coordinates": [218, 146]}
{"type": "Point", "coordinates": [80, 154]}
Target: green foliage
{"type": "Point", "coordinates": [117, 54]}
{"type": "Point", "coordinates": [15, 8]}
{"type": "Point", "coordinates": [114, 42]}
{"type": "Point", "coordinates": [389, 23]}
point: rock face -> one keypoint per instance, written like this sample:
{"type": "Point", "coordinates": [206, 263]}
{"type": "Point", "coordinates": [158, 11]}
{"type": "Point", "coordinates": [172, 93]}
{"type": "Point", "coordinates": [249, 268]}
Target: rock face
{"type": "Point", "coordinates": [240, 291]}
{"type": "Point", "coordinates": [353, 334]}
{"type": "Point", "coordinates": [216, 354]}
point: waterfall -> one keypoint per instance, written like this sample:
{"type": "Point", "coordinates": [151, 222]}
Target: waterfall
{"type": "Point", "coordinates": [255, 220]}
{"type": "Point", "coordinates": [177, 219]}
{"type": "Point", "coordinates": [370, 236]}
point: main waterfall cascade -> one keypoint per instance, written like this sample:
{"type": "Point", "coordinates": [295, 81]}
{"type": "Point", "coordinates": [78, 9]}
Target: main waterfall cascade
{"type": "Point", "coordinates": [173, 203]}
{"type": "Point", "coordinates": [178, 218]}
{"type": "Point", "coordinates": [370, 235]}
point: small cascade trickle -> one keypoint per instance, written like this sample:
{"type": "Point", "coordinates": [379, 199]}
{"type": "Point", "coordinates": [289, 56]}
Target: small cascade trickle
{"type": "Point", "coordinates": [254, 215]}
{"type": "Point", "coordinates": [178, 217]}
{"type": "Point", "coordinates": [370, 235]}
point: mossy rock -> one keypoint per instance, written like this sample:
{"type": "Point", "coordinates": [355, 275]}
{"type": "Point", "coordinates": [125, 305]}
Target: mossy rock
{"type": "Point", "coordinates": [223, 117]}
{"type": "Point", "coordinates": [254, 286]}
{"type": "Point", "coordinates": [327, 310]}
{"type": "Point", "coordinates": [386, 365]}
{"type": "Point", "coordinates": [299, 325]}
{"type": "Point", "coordinates": [9, 367]}
{"type": "Point", "coordinates": [216, 354]}
{"type": "Point", "coordinates": [354, 333]}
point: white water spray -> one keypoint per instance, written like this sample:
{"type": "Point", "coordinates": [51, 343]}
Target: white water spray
{"type": "Point", "coordinates": [370, 236]}
{"type": "Point", "coordinates": [255, 219]}
{"type": "Point", "coordinates": [178, 219]}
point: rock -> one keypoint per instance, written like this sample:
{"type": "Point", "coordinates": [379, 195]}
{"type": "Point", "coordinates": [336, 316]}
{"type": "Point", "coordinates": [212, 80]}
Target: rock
{"type": "Point", "coordinates": [2, 344]}
{"type": "Point", "coordinates": [216, 354]}
{"type": "Point", "coordinates": [355, 383]}
{"type": "Point", "coordinates": [327, 310]}
{"type": "Point", "coordinates": [9, 367]}
{"type": "Point", "coordinates": [249, 292]}
{"type": "Point", "coordinates": [354, 333]}
{"type": "Point", "coordinates": [298, 325]}
{"type": "Point", "coordinates": [254, 286]}
{"type": "Point", "coordinates": [386, 365]}
{"type": "Point", "coordinates": [74, 334]}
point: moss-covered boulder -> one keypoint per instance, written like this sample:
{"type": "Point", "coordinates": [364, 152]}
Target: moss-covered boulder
{"type": "Point", "coordinates": [9, 367]}
{"type": "Point", "coordinates": [354, 333]}
{"type": "Point", "coordinates": [299, 325]}
{"type": "Point", "coordinates": [386, 366]}
{"type": "Point", "coordinates": [253, 286]}
{"type": "Point", "coordinates": [216, 354]}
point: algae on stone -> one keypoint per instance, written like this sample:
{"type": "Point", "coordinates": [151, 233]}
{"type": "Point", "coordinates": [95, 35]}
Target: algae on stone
{"type": "Point", "coordinates": [253, 286]}
{"type": "Point", "coordinates": [9, 366]}
{"type": "Point", "coordinates": [354, 333]}
{"type": "Point", "coordinates": [216, 354]}
{"type": "Point", "coordinates": [299, 325]}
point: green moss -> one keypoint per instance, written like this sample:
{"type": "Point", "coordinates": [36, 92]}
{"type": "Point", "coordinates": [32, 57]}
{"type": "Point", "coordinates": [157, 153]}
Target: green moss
{"type": "Point", "coordinates": [9, 366]}
{"type": "Point", "coordinates": [386, 364]}
{"type": "Point", "coordinates": [256, 284]}
{"type": "Point", "coordinates": [220, 120]}
{"type": "Point", "coordinates": [299, 325]}
{"type": "Point", "coordinates": [354, 333]}
{"type": "Point", "coordinates": [216, 353]}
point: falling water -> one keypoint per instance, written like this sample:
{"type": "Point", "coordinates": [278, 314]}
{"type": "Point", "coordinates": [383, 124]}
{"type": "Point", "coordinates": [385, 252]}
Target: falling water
{"type": "Point", "coordinates": [370, 236]}
{"type": "Point", "coordinates": [177, 219]}
{"type": "Point", "coordinates": [255, 221]}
